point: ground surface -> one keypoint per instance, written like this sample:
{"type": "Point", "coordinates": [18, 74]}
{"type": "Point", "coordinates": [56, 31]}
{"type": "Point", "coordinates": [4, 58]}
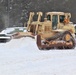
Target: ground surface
{"type": "Point", "coordinates": [22, 57]}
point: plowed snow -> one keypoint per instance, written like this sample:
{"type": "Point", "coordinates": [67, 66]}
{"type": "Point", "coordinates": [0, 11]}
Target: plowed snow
{"type": "Point", "coordinates": [22, 57]}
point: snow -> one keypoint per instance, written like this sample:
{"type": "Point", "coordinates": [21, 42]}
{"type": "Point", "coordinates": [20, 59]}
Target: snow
{"type": "Point", "coordinates": [8, 30]}
{"type": "Point", "coordinates": [22, 57]}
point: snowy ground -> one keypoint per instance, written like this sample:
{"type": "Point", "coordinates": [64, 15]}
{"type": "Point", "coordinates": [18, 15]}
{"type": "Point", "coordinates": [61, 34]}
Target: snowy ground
{"type": "Point", "coordinates": [22, 57]}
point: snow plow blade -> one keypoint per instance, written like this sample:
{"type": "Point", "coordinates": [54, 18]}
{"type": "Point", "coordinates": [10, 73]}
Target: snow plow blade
{"type": "Point", "coordinates": [54, 44]}
{"type": "Point", "coordinates": [4, 38]}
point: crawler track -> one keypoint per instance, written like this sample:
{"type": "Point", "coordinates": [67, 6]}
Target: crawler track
{"type": "Point", "coordinates": [59, 41]}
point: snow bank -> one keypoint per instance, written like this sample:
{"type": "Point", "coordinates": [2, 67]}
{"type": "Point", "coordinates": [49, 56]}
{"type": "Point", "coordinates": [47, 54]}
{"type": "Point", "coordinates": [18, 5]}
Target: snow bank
{"type": "Point", "coordinates": [22, 57]}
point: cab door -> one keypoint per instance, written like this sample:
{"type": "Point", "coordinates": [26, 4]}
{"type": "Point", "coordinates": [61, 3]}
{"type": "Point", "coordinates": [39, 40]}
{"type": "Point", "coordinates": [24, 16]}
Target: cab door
{"type": "Point", "coordinates": [54, 22]}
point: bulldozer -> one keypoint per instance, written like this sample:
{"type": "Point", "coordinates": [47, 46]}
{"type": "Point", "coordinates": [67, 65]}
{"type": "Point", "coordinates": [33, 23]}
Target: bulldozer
{"type": "Point", "coordinates": [54, 31]}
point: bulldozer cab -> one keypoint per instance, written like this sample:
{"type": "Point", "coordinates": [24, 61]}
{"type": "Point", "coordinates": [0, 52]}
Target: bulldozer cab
{"type": "Point", "coordinates": [57, 18]}
{"type": "Point", "coordinates": [53, 19]}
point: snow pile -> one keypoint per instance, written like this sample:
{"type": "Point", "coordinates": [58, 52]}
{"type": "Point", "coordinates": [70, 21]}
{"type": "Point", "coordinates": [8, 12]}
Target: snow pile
{"type": "Point", "coordinates": [22, 57]}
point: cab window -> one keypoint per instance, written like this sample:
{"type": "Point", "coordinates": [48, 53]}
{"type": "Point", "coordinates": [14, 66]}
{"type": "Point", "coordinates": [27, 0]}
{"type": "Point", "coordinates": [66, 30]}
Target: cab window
{"type": "Point", "coordinates": [61, 18]}
{"type": "Point", "coordinates": [48, 17]}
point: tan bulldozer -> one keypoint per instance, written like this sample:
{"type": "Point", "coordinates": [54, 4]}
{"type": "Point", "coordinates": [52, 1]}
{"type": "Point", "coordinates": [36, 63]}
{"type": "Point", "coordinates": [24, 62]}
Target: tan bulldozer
{"type": "Point", "coordinates": [54, 31]}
